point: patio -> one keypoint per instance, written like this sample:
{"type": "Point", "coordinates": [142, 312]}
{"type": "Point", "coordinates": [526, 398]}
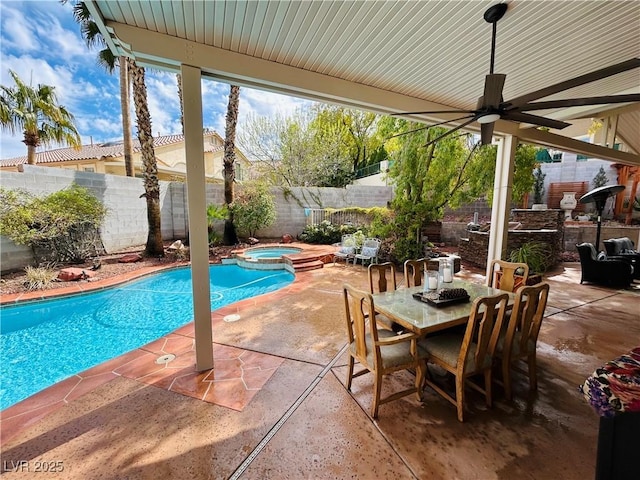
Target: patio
{"type": "Point", "coordinates": [302, 423]}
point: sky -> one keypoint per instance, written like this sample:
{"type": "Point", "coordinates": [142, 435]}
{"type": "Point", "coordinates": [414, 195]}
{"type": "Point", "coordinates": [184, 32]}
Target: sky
{"type": "Point", "coordinates": [41, 42]}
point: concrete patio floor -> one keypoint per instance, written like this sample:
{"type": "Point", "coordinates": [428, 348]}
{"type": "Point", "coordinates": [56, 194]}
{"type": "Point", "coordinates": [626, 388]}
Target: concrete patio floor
{"type": "Point", "coordinates": [302, 423]}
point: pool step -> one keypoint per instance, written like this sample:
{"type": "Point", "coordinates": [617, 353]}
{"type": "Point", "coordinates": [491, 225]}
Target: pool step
{"type": "Point", "coordinates": [304, 266]}
{"type": "Point", "coordinates": [304, 261]}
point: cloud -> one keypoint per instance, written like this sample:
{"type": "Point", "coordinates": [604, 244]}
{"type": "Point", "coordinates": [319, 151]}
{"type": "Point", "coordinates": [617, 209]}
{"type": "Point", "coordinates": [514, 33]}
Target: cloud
{"type": "Point", "coordinates": [41, 42]}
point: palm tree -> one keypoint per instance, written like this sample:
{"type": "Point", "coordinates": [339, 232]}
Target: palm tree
{"type": "Point", "coordinates": [149, 165]}
{"type": "Point", "coordinates": [230, 237]}
{"type": "Point", "coordinates": [106, 58]}
{"type": "Point", "coordinates": [92, 36]}
{"type": "Point", "coordinates": [36, 112]}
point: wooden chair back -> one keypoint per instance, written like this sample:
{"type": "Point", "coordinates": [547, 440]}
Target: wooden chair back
{"type": "Point", "coordinates": [382, 276]}
{"type": "Point", "coordinates": [526, 317]}
{"type": "Point", "coordinates": [521, 337]}
{"type": "Point", "coordinates": [507, 276]}
{"type": "Point", "coordinates": [358, 307]}
{"type": "Point", "coordinates": [483, 329]}
{"type": "Point", "coordinates": [414, 271]}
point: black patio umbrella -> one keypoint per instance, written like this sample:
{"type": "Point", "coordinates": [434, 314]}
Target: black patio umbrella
{"type": "Point", "coordinates": [599, 197]}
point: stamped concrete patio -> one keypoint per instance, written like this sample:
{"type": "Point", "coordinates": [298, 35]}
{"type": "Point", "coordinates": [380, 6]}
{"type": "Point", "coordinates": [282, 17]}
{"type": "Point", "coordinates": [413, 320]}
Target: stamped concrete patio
{"type": "Point", "coordinates": [300, 422]}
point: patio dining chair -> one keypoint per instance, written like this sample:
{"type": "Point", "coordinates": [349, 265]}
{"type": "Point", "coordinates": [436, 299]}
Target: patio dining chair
{"type": "Point", "coordinates": [378, 351]}
{"type": "Point", "coordinates": [468, 354]}
{"type": "Point", "coordinates": [369, 252]}
{"type": "Point", "coordinates": [347, 249]}
{"type": "Point", "coordinates": [518, 341]}
{"type": "Point", "coordinates": [382, 278]}
{"type": "Point", "coordinates": [507, 276]}
{"type": "Point", "coordinates": [414, 271]}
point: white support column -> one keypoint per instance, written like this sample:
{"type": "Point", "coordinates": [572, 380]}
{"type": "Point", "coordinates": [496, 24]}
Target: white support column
{"type": "Point", "coordinates": [197, 207]}
{"type": "Point", "coordinates": [502, 188]}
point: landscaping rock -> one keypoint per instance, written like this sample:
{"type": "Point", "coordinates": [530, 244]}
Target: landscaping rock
{"type": "Point", "coordinates": [252, 241]}
{"type": "Point", "coordinates": [72, 274]}
{"type": "Point", "coordinates": [131, 258]}
{"type": "Point", "coordinates": [286, 238]}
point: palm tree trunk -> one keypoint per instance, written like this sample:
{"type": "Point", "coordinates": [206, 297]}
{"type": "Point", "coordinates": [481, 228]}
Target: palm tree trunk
{"type": "Point", "coordinates": [230, 237]}
{"type": "Point", "coordinates": [154, 245]}
{"type": "Point", "coordinates": [31, 144]}
{"type": "Point", "coordinates": [179, 82]}
{"type": "Point", "coordinates": [126, 116]}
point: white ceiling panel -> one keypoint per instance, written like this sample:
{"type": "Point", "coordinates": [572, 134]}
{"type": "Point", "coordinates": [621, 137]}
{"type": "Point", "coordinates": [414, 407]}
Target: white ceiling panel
{"type": "Point", "coordinates": [430, 51]}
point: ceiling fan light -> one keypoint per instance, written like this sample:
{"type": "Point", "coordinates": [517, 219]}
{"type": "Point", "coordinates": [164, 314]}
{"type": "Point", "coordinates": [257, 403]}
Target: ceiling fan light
{"type": "Point", "coordinates": [489, 118]}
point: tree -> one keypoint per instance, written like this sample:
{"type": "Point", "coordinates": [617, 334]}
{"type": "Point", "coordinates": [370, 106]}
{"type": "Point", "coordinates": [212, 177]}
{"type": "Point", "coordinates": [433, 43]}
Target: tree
{"type": "Point", "coordinates": [93, 37]}
{"type": "Point", "coordinates": [601, 179]}
{"type": "Point", "coordinates": [253, 209]}
{"type": "Point", "coordinates": [308, 148]}
{"type": "Point", "coordinates": [229, 236]}
{"type": "Point", "coordinates": [427, 179]}
{"type": "Point", "coordinates": [36, 112]}
{"type": "Point", "coordinates": [154, 244]}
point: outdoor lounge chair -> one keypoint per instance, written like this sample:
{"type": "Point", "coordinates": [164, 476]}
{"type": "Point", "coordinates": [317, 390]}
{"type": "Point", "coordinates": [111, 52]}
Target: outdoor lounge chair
{"type": "Point", "coordinates": [623, 249]}
{"type": "Point", "coordinates": [597, 268]}
{"type": "Point", "coordinates": [369, 252]}
{"type": "Point", "coordinates": [347, 249]}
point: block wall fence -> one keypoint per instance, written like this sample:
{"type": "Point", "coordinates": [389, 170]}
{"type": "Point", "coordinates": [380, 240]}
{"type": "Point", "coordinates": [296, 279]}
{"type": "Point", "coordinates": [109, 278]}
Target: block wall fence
{"type": "Point", "coordinates": [126, 221]}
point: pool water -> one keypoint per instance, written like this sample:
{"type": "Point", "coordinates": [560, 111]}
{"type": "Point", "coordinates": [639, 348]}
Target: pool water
{"type": "Point", "coordinates": [44, 342]}
{"type": "Point", "coordinates": [270, 252]}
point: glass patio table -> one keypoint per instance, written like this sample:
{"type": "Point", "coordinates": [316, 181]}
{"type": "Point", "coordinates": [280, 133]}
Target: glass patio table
{"type": "Point", "coordinates": [422, 318]}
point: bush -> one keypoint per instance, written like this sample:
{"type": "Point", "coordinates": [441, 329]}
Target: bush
{"type": "Point", "coordinates": [535, 254]}
{"type": "Point", "coordinates": [39, 277]}
{"type": "Point", "coordinates": [60, 227]}
{"type": "Point", "coordinates": [326, 233]}
{"type": "Point", "coordinates": [253, 209]}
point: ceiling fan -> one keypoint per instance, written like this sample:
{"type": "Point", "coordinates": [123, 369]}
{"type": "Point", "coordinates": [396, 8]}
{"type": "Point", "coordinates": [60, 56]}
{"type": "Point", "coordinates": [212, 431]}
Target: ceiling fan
{"type": "Point", "coordinates": [491, 106]}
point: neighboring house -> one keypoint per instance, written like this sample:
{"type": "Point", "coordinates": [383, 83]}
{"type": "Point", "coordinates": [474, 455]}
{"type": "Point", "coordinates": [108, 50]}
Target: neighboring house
{"type": "Point", "coordinates": [109, 158]}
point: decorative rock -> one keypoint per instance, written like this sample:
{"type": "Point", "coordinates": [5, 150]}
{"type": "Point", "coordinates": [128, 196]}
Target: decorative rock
{"type": "Point", "coordinates": [72, 274]}
{"type": "Point", "coordinates": [131, 258]}
{"type": "Point", "coordinates": [252, 241]}
{"type": "Point", "coordinates": [286, 238]}
{"type": "Point", "coordinates": [177, 245]}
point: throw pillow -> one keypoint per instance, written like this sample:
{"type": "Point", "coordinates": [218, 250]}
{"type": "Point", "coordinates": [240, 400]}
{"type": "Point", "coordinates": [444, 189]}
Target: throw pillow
{"type": "Point", "coordinates": [369, 251]}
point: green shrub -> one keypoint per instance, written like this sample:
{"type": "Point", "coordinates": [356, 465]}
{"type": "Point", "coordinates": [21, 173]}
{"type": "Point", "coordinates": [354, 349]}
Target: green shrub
{"type": "Point", "coordinates": [253, 209]}
{"type": "Point", "coordinates": [60, 227]}
{"type": "Point", "coordinates": [535, 254]}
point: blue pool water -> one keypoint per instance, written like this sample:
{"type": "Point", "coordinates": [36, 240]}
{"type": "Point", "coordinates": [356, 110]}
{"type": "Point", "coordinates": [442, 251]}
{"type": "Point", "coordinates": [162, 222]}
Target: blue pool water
{"type": "Point", "coordinates": [274, 252]}
{"type": "Point", "coordinates": [44, 342]}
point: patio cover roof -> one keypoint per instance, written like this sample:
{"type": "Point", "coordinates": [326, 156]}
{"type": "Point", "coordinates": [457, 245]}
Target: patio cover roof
{"type": "Point", "coordinates": [388, 56]}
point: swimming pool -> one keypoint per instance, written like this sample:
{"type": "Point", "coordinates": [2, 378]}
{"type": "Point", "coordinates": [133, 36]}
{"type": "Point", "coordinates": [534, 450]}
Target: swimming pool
{"type": "Point", "coordinates": [270, 252]}
{"type": "Point", "coordinates": [44, 342]}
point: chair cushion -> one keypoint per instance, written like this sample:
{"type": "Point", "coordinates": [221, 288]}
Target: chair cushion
{"type": "Point", "coordinates": [392, 355]}
{"type": "Point", "coordinates": [347, 250]}
{"type": "Point", "coordinates": [447, 346]}
{"type": "Point", "coordinates": [369, 251]}
{"type": "Point", "coordinates": [515, 350]}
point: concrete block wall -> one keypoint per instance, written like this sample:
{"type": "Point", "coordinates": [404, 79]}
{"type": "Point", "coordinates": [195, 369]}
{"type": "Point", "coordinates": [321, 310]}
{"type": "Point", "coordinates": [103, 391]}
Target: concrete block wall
{"type": "Point", "coordinates": [125, 224]}
{"type": "Point", "coordinates": [126, 221]}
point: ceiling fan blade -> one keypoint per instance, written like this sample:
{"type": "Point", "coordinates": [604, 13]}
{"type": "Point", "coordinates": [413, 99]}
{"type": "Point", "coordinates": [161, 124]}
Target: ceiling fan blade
{"type": "Point", "coordinates": [486, 133]}
{"type": "Point", "coordinates": [427, 126]}
{"type": "Point", "coordinates": [534, 119]}
{"type": "Point", "coordinates": [432, 112]}
{"type": "Point", "coordinates": [579, 102]}
{"type": "Point", "coordinates": [449, 132]}
{"type": "Point", "coordinates": [574, 82]}
{"type": "Point", "coordinates": [493, 85]}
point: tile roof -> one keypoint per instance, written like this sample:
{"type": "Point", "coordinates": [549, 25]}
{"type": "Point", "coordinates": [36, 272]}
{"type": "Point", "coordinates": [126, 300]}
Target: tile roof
{"type": "Point", "coordinates": [102, 150]}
